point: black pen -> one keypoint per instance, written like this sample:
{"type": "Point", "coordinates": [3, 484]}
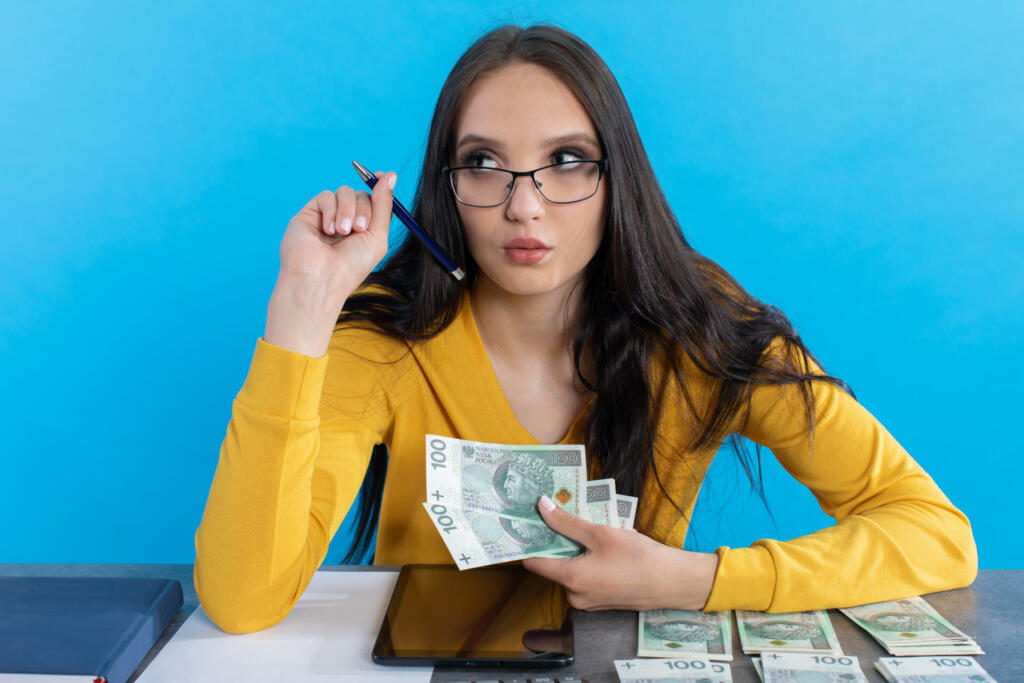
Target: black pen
{"type": "Point", "coordinates": [410, 222]}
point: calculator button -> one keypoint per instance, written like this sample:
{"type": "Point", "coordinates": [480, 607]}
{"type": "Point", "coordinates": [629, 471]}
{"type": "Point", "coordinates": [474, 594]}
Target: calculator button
{"type": "Point", "coordinates": [570, 679]}
{"type": "Point", "coordinates": [542, 679]}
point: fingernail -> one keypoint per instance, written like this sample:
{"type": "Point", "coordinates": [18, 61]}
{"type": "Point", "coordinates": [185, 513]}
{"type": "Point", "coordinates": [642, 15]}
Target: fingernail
{"type": "Point", "coordinates": [330, 228]}
{"type": "Point", "coordinates": [361, 222]}
{"type": "Point", "coordinates": [547, 503]}
{"type": "Point", "coordinates": [346, 225]}
{"type": "Point", "coordinates": [392, 180]}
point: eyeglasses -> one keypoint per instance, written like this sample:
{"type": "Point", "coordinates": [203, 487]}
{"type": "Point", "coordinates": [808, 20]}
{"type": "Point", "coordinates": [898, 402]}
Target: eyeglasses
{"type": "Point", "coordinates": [566, 182]}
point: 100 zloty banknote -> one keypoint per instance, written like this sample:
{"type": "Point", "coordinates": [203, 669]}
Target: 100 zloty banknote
{"type": "Point", "coordinates": [478, 538]}
{"type": "Point", "coordinates": [676, 633]}
{"type": "Point", "coordinates": [505, 480]}
{"type": "Point", "coordinates": [787, 632]}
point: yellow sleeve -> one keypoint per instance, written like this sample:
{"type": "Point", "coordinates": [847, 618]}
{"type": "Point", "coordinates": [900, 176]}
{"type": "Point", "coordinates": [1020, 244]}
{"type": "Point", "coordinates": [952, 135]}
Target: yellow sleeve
{"type": "Point", "coordinates": [290, 467]}
{"type": "Point", "coordinates": [896, 534]}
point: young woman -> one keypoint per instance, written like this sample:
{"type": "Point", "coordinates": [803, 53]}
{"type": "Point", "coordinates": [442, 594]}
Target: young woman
{"type": "Point", "coordinates": [584, 317]}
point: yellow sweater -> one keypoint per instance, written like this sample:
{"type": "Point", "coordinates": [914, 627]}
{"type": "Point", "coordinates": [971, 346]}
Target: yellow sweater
{"type": "Point", "coordinates": [302, 430]}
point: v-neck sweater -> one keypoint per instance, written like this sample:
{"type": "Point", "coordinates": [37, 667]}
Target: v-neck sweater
{"type": "Point", "coordinates": [302, 430]}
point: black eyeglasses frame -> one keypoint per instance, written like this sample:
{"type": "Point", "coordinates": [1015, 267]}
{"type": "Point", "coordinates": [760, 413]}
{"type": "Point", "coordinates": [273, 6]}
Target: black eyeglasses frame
{"type": "Point", "coordinates": [602, 169]}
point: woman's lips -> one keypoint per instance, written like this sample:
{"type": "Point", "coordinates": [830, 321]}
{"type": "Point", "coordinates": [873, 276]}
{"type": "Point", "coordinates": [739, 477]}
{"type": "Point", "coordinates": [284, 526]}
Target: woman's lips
{"type": "Point", "coordinates": [526, 250]}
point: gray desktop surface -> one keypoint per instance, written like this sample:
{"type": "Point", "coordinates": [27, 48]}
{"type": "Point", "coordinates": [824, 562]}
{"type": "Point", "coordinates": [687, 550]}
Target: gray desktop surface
{"type": "Point", "coordinates": [991, 610]}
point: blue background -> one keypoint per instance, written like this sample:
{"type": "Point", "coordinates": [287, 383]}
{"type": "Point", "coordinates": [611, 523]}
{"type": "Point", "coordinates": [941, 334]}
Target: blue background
{"type": "Point", "coordinates": [857, 165]}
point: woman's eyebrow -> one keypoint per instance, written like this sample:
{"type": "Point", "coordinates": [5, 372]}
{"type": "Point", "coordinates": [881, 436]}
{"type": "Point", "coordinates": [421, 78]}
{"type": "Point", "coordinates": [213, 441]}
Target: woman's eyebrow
{"type": "Point", "coordinates": [556, 140]}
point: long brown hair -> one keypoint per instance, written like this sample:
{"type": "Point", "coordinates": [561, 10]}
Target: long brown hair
{"type": "Point", "coordinates": [645, 295]}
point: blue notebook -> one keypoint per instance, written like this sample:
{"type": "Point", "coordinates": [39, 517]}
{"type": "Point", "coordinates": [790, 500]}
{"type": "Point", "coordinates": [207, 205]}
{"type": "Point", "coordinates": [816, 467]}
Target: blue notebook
{"type": "Point", "coordinates": [99, 628]}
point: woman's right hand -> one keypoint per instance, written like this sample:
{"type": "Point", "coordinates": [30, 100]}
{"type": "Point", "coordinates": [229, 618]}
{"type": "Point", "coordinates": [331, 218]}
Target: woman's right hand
{"type": "Point", "coordinates": [338, 237]}
{"type": "Point", "coordinates": [328, 249]}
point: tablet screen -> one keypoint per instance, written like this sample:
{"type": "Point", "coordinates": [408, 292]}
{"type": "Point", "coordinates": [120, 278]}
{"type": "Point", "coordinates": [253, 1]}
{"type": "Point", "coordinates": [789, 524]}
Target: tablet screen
{"type": "Point", "coordinates": [438, 612]}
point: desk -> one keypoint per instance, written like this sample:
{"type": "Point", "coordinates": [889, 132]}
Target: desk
{"type": "Point", "coordinates": [991, 610]}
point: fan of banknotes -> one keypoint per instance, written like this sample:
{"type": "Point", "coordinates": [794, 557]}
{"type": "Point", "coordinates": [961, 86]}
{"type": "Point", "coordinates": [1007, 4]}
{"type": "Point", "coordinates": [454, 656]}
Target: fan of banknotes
{"type": "Point", "coordinates": [912, 627]}
{"type": "Point", "coordinates": [482, 498]}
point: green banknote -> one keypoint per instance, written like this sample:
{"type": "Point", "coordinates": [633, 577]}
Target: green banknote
{"type": "Point", "coordinates": [506, 480]}
{"type": "Point", "coordinates": [476, 538]}
{"type": "Point", "coordinates": [696, 669]}
{"type": "Point", "coordinates": [910, 622]}
{"type": "Point", "coordinates": [789, 632]}
{"type": "Point", "coordinates": [932, 670]}
{"type": "Point", "coordinates": [950, 649]}
{"type": "Point", "coordinates": [625, 509]}
{"type": "Point", "coordinates": [601, 502]}
{"type": "Point", "coordinates": [676, 632]}
{"type": "Point", "coordinates": [601, 509]}
{"type": "Point", "coordinates": [799, 667]}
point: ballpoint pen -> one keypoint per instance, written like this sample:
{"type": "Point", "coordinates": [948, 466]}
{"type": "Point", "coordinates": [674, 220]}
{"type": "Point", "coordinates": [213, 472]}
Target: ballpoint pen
{"type": "Point", "coordinates": [410, 222]}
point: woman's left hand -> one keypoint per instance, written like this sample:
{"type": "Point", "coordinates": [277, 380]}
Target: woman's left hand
{"type": "Point", "coordinates": [623, 569]}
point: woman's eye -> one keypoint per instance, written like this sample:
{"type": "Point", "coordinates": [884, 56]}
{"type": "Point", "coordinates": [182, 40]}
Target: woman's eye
{"type": "Point", "coordinates": [475, 159]}
{"type": "Point", "coordinates": [567, 152]}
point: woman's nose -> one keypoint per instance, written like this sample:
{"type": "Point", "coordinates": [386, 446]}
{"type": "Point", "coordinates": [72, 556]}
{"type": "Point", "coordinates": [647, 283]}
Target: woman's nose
{"type": "Point", "coordinates": [526, 200]}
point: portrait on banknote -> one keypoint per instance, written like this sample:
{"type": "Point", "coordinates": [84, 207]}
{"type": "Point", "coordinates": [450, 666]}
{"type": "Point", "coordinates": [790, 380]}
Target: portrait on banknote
{"type": "Point", "coordinates": [521, 480]}
{"type": "Point", "coordinates": [785, 630]}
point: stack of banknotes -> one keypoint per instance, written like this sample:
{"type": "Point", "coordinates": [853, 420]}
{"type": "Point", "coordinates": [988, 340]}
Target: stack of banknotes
{"type": "Point", "coordinates": [482, 499]}
{"type": "Point", "coordinates": [786, 667]}
{"type": "Point", "coordinates": [912, 627]}
{"type": "Point", "coordinates": [695, 669]}
{"type": "Point", "coordinates": [932, 670]}
{"type": "Point", "coordinates": [808, 632]}
{"type": "Point", "coordinates": [685, 633]}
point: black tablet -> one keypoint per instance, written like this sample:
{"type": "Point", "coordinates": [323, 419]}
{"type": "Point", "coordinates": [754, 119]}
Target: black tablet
{"type": "Point", "coordinates": [487, 617]}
